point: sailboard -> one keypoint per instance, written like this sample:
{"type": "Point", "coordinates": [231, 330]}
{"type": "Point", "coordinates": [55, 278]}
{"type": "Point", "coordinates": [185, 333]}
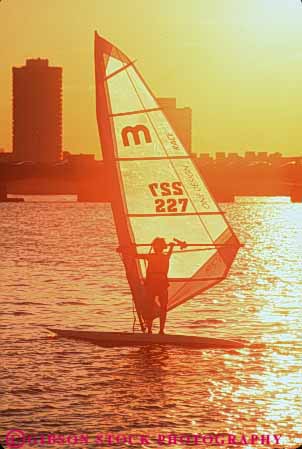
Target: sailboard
{"type": "Point", "coordinates": [113, 339]}
{"type": "Point", "coordinates": [156, 188]}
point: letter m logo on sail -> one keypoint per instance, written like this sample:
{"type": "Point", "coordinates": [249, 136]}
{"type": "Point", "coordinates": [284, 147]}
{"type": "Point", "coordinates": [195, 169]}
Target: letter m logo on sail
{"type": "Point", "coordinates": [136, 132]}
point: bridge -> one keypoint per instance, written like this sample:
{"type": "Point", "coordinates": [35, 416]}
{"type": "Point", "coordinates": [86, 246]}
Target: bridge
{"type": "Point", "coordinates": [90, 181]}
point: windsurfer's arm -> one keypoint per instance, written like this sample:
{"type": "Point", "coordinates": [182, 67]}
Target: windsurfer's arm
{"type": "Point", "coordinates": [170, 250]}
{"type": "Point", "coordinates": [176, 242]}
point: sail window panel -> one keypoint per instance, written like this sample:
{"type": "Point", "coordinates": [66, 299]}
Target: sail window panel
{"type": "Point", "coordinates": [113, 65]}
{"type": "Point", "coordinates": [194, 186]}
{"type": "Point", "coordinates": [216, 225]}
{"type": "Point", "coordinates": [167, 135]}
{"type": "Point", "coordinates": [189, 290]}
{"type": "Point", "coordinates": [146, 98]}
{"type": "Point", "coordinates": [123, 97]}
{"type": "Point", "coordinates": [184, 264]}
{"type": "Point", "coordinates": [184, 228]}
{"type": "Point", "coordinates": [153, 187]}
{"type": "Point", "coordinates": [136, 137]}
{"type": "Point", "coordinates": [212, 271]}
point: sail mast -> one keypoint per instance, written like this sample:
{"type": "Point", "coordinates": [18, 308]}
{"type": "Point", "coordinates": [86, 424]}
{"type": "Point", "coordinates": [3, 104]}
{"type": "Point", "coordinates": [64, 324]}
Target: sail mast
{"type": "Point", "coordinates": [103, 48]}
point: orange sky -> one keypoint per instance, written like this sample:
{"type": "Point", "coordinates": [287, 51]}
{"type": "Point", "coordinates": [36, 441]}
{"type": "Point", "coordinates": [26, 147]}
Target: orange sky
{"type": "Point", "coordinates": [237, 63]}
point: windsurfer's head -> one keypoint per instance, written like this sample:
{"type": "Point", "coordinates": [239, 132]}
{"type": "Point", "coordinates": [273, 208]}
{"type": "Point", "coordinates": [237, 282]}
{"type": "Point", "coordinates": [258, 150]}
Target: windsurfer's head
{"type": "Point", "coordinates": [159, 244]}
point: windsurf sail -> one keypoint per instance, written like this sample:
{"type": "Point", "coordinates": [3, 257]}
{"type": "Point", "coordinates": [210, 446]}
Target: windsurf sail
{"type": "Point", "coordinates": [157, 190]}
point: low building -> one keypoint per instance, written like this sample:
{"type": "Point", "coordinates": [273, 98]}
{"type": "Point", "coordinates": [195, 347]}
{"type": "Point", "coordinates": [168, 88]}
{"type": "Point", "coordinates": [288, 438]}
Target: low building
{"type": "Point", "coordinates": [220, 156]}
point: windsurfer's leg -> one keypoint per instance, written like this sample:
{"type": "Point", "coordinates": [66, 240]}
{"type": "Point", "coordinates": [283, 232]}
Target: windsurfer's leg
{"type": "Point", "coordinates": [163, 299]}
{"type": "Point", "coordinates": [149, 325]}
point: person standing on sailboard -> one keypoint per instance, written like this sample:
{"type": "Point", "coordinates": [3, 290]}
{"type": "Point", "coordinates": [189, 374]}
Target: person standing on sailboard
{"type": "Point", "coordinates": [156, 283]}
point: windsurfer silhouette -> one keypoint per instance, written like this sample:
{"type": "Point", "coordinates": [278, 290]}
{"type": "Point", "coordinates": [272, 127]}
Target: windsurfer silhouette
{"type": "Point", "coordinates": [156, 283]}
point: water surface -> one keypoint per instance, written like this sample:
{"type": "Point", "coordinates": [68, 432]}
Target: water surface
{"type": "Point", "coordinates": [59, 268]}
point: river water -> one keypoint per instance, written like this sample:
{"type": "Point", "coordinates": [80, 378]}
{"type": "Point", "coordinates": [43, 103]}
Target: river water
{"type": "Point", "coordinates": [59, 268]}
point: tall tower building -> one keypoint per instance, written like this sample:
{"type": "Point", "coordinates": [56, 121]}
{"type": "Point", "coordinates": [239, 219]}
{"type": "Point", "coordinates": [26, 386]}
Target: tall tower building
{"type": "Point", "coordinates": [37, 112]}
{"type": "Point", "coordinates": [180, 119]}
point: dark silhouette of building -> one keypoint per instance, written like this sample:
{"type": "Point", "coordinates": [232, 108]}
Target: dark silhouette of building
{"type": "Point", "coordinates": [37, 112]}
{"type": "Point", "coordinates": [220, 156]}
{"type": "Point", "coordinates": [180, 119]}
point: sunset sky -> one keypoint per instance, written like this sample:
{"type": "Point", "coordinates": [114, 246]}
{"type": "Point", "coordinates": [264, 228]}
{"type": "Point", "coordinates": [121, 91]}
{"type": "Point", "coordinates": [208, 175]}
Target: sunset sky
{"type": "Point", "coordinates": [236, 63]}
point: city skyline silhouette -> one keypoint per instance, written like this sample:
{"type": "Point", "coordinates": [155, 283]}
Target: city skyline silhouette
{"type": "Point", "coordinates": [243, 85]}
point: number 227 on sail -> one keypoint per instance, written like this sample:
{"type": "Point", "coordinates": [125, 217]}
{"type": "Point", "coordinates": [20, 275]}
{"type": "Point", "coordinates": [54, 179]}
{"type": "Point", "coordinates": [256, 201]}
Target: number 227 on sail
{"type": "Point", "coordinates": [168, 204]}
